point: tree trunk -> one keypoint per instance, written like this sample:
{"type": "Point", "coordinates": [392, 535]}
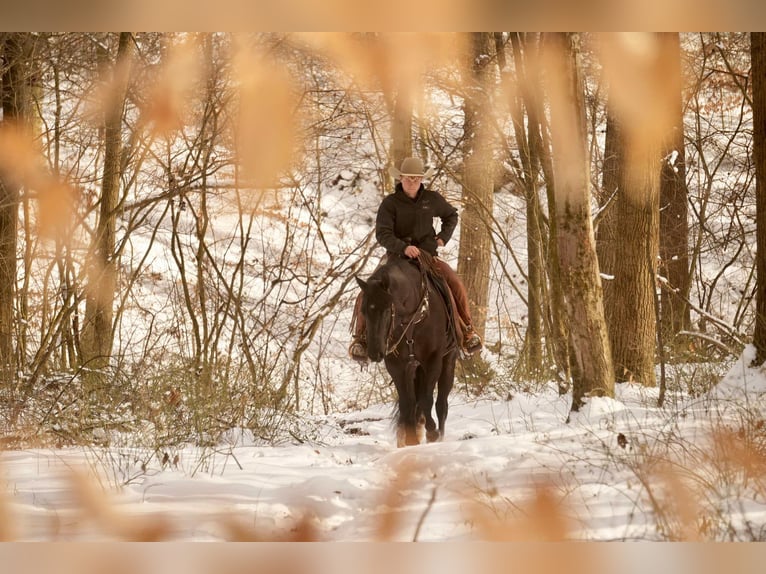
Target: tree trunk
{"type": "Point", "coordinates": [556, 318]}
{"type": "Point", "coordinates": [607, 234]}
{"type": "Point", "coordinates": [758, 59]}
{"type": "Point", "coordinates": [643, 99]}
{"type": "Point", "coordinates": [529, 144]}
{"type": "Point", "coordinates": [16, 108]}
{"type": "Point", "coordinates": [632, 329]}
{"type": "Point", "coordinates": [592, 368]}
{"type": "Point", "coordinates": [478, 181]}
{"type": "Point", "coordinates": [674, 226]}
{"type": "Point", "coordinates": [97, 328]}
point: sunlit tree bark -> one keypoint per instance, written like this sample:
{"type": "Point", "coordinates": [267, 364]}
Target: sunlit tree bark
{"type": "Point", "coordinates": [643, 96]}
{"type": "Point", "coordinates": [632, 308]}
{"type": "Point", "coordinates": [592, 369]}
{"type": "Point", "coordinates": [478, 182]}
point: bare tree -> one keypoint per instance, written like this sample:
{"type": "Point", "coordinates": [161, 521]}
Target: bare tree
{"type": "Point", "coordinates": [719, 178]}
{"type": "Point", "coordinates": [97, 328]}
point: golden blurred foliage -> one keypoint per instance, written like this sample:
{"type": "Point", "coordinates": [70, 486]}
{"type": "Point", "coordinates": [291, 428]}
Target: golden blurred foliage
{"type": "Point", "coordinates": [390, 519]}
{"type": "Point", "coordinates": [170, 97]}
{"type": "Point", "coordinates": [678, 509]}
{"type": "Point", "coordinates": [20, 157]}
{"type": "Point", "coordinates": [22, 163]}
{"type": "Point", "coordinates": [678, 492]}
{"type": "Point", "coordinates": [541, 518]}
{"type": "Point", "coordinates": [7, 528]}
{"type": "Point", "coordinates": [56, 217]}
{"type": "Point", "coordinates": [304, 530]}
{"type": "Point", "coordinates": [641, 87]}
{"type": "Point", "coordinates": [741, 453]}
{"type": "Point", "coordinates": [96, 507]}
{"type": "Point", "coordinates": [387, 61]}
{"type": "Point", "coordinates": [267, 118]}
{"type": "Point", "coordinates": [111, 88]}
{"type": "Point", "coordinates": [567, 129]}
{"type": "Point", "coordinates": [425, 15]}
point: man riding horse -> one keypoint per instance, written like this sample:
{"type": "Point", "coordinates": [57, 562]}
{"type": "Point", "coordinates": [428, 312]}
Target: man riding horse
{"type": "Point", "coordinates": [404, 227]}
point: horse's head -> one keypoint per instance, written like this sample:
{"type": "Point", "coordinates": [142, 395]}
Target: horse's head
{"type": "Point", "coordinates": [377, 305]}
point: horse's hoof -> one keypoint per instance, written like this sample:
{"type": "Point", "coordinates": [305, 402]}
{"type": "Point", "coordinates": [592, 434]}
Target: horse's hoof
{"type": "Point", "coordinates": [433, 436]}
{"type": "Point", "coordinates": [403, 438]}
{"type": "Point", "coordinates": [420, 432]}
{"type": "Point", "coordinates": [408, 437]}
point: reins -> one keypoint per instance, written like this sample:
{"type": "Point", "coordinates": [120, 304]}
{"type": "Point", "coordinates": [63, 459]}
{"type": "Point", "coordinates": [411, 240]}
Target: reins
{"type": "Point", "coordinates": [417, 316]}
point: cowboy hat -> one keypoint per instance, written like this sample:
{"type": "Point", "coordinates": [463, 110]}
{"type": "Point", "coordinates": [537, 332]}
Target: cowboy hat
{"type": "Point", "coordinates": [412, 166]}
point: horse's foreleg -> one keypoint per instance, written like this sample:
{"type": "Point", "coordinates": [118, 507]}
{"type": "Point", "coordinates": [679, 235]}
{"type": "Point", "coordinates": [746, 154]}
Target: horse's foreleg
{"type": "Point", "coordinates": [407, 424]}
{"type": "Point", "coordinates": [404, 379]}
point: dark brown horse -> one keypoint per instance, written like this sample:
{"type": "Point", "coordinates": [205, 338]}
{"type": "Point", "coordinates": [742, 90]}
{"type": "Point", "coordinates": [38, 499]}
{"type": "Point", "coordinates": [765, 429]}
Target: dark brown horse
{"type": "Point", "coordinates": [410, 328]}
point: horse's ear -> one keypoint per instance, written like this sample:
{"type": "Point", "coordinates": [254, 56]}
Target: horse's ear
{"type": "Point", "coordinates": [362, 284]}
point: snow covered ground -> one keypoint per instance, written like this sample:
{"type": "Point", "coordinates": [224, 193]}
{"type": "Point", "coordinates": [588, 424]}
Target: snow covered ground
{"type": "Point", "coordinates": [620, 469]}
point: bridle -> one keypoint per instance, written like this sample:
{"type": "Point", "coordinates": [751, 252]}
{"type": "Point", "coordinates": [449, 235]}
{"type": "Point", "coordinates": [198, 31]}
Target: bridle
{"type": "Point", "coordinates": [409, 325]}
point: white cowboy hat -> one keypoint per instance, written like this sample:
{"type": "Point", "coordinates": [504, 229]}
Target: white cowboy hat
{"type": "Point", "coordinates": [412, 166]}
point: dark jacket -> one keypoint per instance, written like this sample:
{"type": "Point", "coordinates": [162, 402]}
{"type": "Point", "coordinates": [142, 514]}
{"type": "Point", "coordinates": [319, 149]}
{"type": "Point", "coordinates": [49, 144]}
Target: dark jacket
{"type": "Point", "coordinates": [402, 221]}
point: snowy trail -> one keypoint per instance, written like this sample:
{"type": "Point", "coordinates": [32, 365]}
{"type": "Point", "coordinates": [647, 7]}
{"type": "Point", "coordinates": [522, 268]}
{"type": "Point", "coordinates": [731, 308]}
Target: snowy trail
{"type": "Point", "coordinates": [352, 484]}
